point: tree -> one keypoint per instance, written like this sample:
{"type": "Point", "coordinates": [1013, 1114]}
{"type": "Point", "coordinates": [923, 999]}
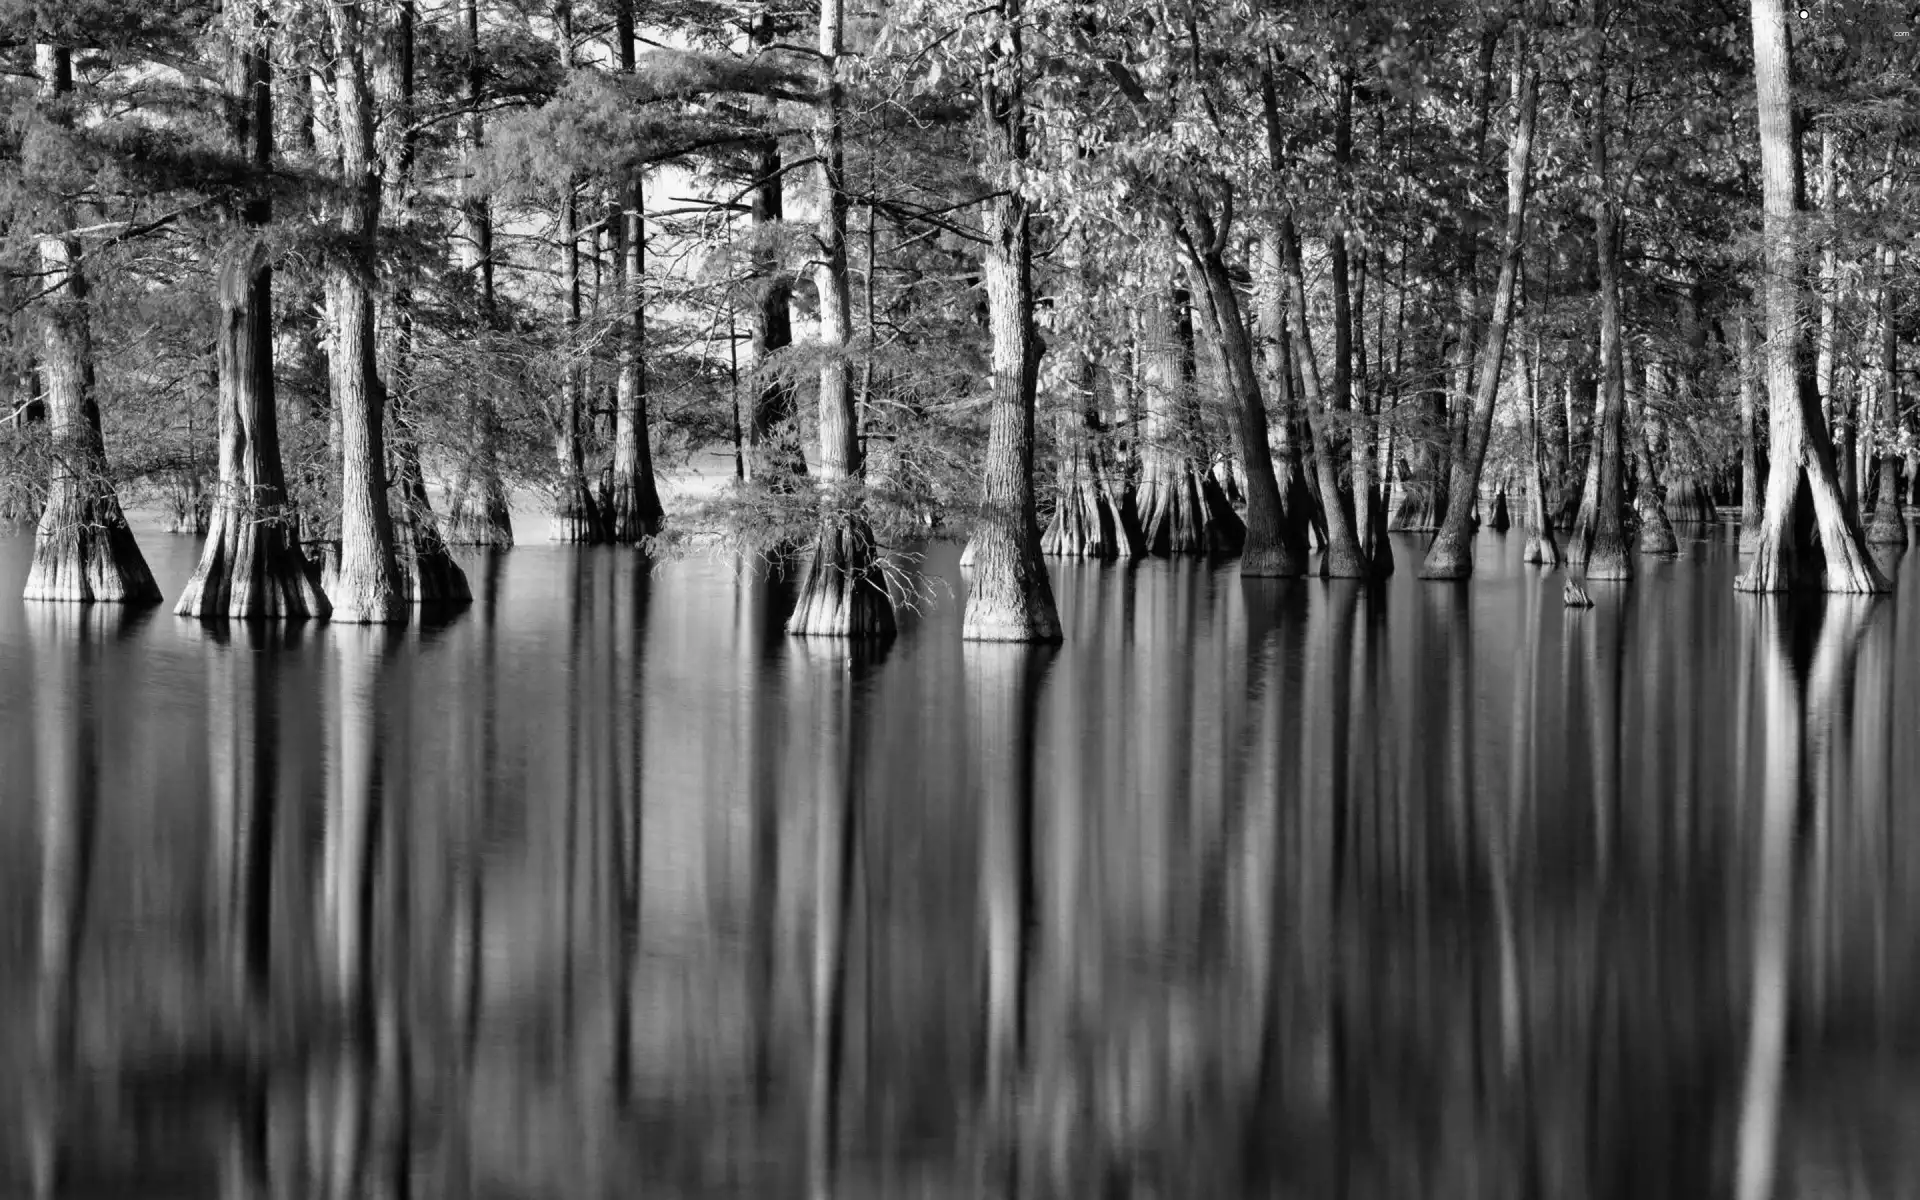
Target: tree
{"type": "Point", "coordinates": [1802, 483]}
{"type": "Point", "coordinates": [1009, 597]}
{"type": "Point", "coordinates": [82, 549]}
{"type": "Point", "coordinates": [634, 511]}
{"type": "Point", "coordinates": [1598, 542]}
{"type": "Point", "coordinates": [1451, 554]}
{"type": "Point", "coordinates": [251, 564]}
{"type": "Point", "coordinates": [842, 593]}
{"type": "Point", "coordinates": [365, 584]}
{"type": "Point", "coordinates": [477, 514]}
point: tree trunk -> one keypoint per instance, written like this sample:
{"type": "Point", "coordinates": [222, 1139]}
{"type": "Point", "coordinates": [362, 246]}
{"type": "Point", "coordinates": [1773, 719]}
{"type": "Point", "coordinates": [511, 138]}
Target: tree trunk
{"type": "Point", "coordinates": [83, 550]}
{"type": "Point", "coordinates": [1889, 527]}
{"type": "Point", "coordinates": [1087, 518]}
{"type": "Point", "coordinates": [1802, 474]}
{"type": "Point", "coordinates": [1752, 467]}
{"type": "Point", "coordinates": [1598, 542]}
{"type": "Point", "coordinates": [634, 508]}
{"type": "Point", "coordinates": [1009, 597]}
{"type": "Point", "coordinates": [842, 593]}
{"type": "Point", "coordinates": [428, 573]}
{"type": "Point", "coordinates": [1296, 500]}
{"type": "Point", "coordinates": [365, 584]}
{"type": "Point", "coordinates": [576, 517]}
{"type": "Point", "coordinates": [1540, 547]}
{"type": "Point", "coordinates": [1451, 554]}
{"type": "Point", "coordinates": [1266, 550]}
{"type": "Point", "coordinates": [1833, 406]}
{"type": "Point", "coordinates": [1656, 534]}
{"type": "Point", "coordinates": [251, 564]}
{"type": "Point", "coordinates": [1344, 560]}
{"type": "Point", "coordinates": [1173, 514]}
{"type": "Point", "coordinates": [478, 514]}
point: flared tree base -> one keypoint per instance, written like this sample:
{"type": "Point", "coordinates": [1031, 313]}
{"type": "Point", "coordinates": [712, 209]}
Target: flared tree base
{"type": "Point", "coordinates": [843, 592]}
{"type": "Point", "coordinates": [1541, 548]}
{"type": "Point", "coordinates": [576, 516]}
{"type": "Point", "coordinates": [1689, 503]}
{"type": "Point", "coordinates": [1502, 519]}
{"type": "Point", "coordinates": [1888, 526]}
{"type": "Point", "coordinates": [1088, 523]}
{"type": "Point", "coordinates": [479, 516]}
{"type": "Point", "coordinates": [83, 553]}
{"type": "Point", "coordinates": [1808, 539]}
{"type": "Point", "coordinates": [1450, 555]}
{"type": "Point", "coordinates": [1345, 562]}
{"type": "Point", "coordinates": [362, 594]}
{"type": "Point", "coordinates": [1226, 532]}
{"type": "Point", "coordinates": [1009, 595]}
{"type": "Point", "coordinates": [1377, 544]}
{"type": "Point", "coordinates": [1599, 554]}
{"type": "Point", "coordinates": [1272, 555]}
{"type": "Point", "coordinates": [633, 513]}
{"type": "Point", "coordinates": [1656, 535]}
{"type": "Point", "coordinates": [251, 568]}
{"type": "Point", "coordinates": [1183, 511]}
{"type": "Point", "coordinates": [430, 576]}
{"type": "Point", "coordinates": [1421, 510]}
{"type": "Point", "coordinates": [189, 507]}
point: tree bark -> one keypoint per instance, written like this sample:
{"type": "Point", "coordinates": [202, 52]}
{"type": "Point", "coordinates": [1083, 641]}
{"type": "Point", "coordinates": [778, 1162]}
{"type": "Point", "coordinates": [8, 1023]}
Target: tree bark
{"type": "Point", "coordinates": [1173, 514]}
{"type": "Point", "coordinates": [1752, 466]}
{"type": "Point", "coordinates": [1088, 521]}
{"type": "Point", "coordinates": [83, 550]}
{"type": "Point", "coordinates": [1598, 542]}
{"type": "Point", "coordinates": [365, 584]}
{"type": "Point", "coordinates": [842, 593]}
{"type": "Point", "coordinates": [1540, 546]}
{"type": "Point", "coordinates": [251, 564]}
{"type": "Point", "coordinates": [634, 512]}
{"type": "Point", "coordinates": [1656, 534]}
{"type": "Point", "coordinates": [1451, 554]}
{"type": "Point", "coordinates": [1802, 474]}
{"type": "Point", "coordinates": [428, 573]}
{"type": "Point", "coordinates": [1265, 550]}
{"type": "Point", "coordinates": [1344, 559]}
{"type": "Point", "coordinates": [1889, 526]}
{"type": "Point", "coordinates": [1296, 500]}
{"type": "Point", "coordinates": [1009, 596]}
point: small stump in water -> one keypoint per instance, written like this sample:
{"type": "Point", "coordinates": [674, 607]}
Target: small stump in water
{"type": "Point", "coordinates": [1575, 596]}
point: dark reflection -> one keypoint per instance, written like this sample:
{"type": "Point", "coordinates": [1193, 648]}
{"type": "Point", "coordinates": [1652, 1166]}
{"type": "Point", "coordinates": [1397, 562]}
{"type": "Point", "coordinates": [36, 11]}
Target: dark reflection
{"type": "Point", "coordinates": [1253, 888]}
{"type": "Point", "coordinates": [66, 641]}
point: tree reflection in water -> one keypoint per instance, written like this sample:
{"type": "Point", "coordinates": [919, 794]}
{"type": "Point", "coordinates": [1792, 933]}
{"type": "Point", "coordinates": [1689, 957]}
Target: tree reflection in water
{"type": "Point", "coordinates": [1253, 888]}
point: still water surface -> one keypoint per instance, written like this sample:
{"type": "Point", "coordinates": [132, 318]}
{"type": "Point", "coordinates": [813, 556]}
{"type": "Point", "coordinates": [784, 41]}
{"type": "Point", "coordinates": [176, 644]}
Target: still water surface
{"type": "Point", "coordinates": [1253, 888]}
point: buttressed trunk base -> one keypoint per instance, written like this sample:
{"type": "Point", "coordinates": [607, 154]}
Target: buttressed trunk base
{"type": "Point", "coordinates": [842, 593]}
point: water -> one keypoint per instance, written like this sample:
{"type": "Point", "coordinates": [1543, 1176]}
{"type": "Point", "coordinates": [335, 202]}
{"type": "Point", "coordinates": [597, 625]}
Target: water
{"type": "Point", "coordinates": [1251, 889]}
